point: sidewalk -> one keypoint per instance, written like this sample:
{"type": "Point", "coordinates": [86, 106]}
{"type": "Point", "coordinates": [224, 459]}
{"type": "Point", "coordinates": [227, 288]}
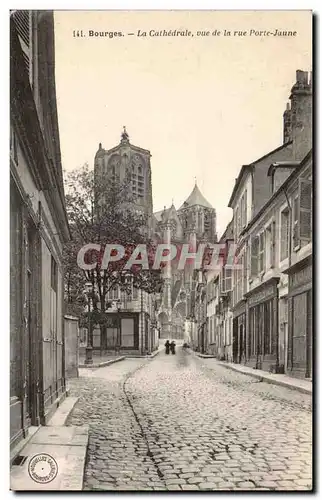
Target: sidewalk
{"type": "Point", "coordinates": [99, 361]}
{"type": "Point", "coordinates": [300, 385]}
{"type": "Point", "coordinates": [52, 457]}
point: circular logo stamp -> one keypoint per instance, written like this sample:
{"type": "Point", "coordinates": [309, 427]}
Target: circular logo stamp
{"type": "Point", "coordinates": [43, 468]}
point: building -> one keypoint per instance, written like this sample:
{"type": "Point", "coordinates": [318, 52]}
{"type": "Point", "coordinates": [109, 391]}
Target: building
{"type": "Point", "coordinates": [132, 323]}
{"type": "Point", "coordinates": [193, 223]}
{"type": "Point", "coordinates": [272, 203]}
{"type": "Point", "coordinates": [128, 162]}
{"type": "Point", "coordinates": [38, 226]}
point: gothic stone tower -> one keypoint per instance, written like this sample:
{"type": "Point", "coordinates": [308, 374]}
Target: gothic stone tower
{"type": "Point", "coordinates": [194, 222]}
{"type": "Point", "coordinates": [123, 159]}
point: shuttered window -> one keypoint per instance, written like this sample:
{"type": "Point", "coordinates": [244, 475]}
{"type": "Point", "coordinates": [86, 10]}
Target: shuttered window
{"type": "Point", "coordinates": [254, 255]}
{"type": "Point", "coordinates": [261, 252]}
{"type": "Point", "coordinates": [273, 243]}
{"type": "Point", "coordinates": [284, 234]}
{"type": "Point", "coordinates": [305, 205]}
{"type": "Point", "coordinates": [296, 232]}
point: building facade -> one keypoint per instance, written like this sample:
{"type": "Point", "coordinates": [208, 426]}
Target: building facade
{"type": "Point", "coordinates": [38, 227]}
{"type": "Point", "coordinates": [132, 323]}
{"type": "Point", "coordinates": [274, 240]}
{"type": "Point", "coordinates": [261, 314]}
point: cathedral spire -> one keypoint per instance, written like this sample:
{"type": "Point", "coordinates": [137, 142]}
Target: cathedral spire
{"type": "Point", "coordinates": [125, 136]}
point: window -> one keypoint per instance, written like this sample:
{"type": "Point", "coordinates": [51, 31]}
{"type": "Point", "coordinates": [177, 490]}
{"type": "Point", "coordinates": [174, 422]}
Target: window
{"type": "Point", "coordinates": [254, 255]}
{"type": "Point", "coordinates": [226, 279]}
{"type": "Point", "coordinates": [269, 246]}
{"type": "Point", "coordinates": [243, 210]}
{"type": "Point", "coordinates": [284, 233]}
{"type": "Point", "coordinates": [295, 209]}
{"type": "Point", "coordinates": [261, 252]}
{"type": "Point", "coordinates": [245, 269]}
{"type": "Point", "coordinates": [305, 206]}
{"type": "Point", "coordinates": [127, 332]}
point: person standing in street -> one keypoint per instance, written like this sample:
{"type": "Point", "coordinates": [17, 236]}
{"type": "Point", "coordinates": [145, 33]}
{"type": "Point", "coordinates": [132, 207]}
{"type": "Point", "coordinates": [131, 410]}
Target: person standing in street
{"type": "Point", "coordinates": [173, 347]}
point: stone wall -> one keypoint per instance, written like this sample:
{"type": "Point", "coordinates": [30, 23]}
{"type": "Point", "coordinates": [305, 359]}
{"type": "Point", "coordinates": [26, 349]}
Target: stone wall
{"type": "Point", "coordinates": [71, 346]}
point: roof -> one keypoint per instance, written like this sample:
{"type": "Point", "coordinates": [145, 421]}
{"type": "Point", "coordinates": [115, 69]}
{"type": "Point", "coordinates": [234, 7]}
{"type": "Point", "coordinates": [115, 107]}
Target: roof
{"type": "Point", "coordinates": [158, 215]}
{"type": "Point", "coordinates": [196, 198]}
{"type": "Point", "coordinates": [228, 234]}
{"type": "Point", "coordinates": [250, 166]}
{"type": "Point", "coordinates": [282, 187]}
{"type": "Point", "coordinates": [282, 164]}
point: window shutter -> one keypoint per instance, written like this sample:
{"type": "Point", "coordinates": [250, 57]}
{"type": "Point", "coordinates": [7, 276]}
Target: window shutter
{"type": "Point", "coordinates": [261, 251]}
{"type": "Point", "coordinates": [305, 205]}
{"type": "Point", "coordinates": [273, 247]}
{"type": "Point", "coordinates": [238, 220]}
{"type": "Point", "coordinates": [296, 233]}
{"type": "Point", "coordinates": [22, 20]}
{"type": "Point", "coordinates": [245, 208]}
{"type": "Point", "coordinates": [228, 279]}
{"type": "Point", "coordinates": [222, 280]}
{"type": "Point", "coordinates": [254, 256]}
{"type": "Point", "coordinates": [246, 258]}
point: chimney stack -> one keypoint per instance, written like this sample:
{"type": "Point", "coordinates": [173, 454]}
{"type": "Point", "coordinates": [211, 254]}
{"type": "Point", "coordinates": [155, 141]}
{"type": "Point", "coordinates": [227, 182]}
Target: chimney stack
{"type": "Point", "coordinates": [301, 114]}
{"type": "Point", "coordinates": [287, 124]}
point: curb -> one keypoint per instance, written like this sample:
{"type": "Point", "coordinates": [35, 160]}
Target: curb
{"type": "Point", "coordinates": [142, 356]}
{"type": "Point", "coordinates": [263, 378]}
{"type": "Point", "coordinates": [205, 355]}
{"type": "Point", "coordinates": [104, 363]}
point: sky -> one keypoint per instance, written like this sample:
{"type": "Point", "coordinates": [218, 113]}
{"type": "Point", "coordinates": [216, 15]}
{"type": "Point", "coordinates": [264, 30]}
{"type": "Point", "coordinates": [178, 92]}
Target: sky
{"type": "Point", "coordinates": [203, 105]}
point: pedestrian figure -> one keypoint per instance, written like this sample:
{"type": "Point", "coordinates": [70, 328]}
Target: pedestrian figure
{"type": "Point", "coordinates": [167, 347]}
{"type": "Point", "coordinates": [173, 347]}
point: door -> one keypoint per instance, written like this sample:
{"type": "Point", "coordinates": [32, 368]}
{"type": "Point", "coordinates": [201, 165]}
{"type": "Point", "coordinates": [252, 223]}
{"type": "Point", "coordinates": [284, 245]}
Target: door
{"type": "Point", "coordinates": [309, 336]}
{"type": "Point", "coordinates": [235, 340]}
{"type": "Point", "coordinates": [241, 342]}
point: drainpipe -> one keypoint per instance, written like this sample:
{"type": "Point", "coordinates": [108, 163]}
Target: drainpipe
{"type": "Point", "coordinates": [290, 229]}
{"type": "Point", "coordinates": [289, 255]}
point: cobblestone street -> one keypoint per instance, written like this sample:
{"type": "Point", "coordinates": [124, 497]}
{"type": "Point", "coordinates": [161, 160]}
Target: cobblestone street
{"type": "Point", "coordinates": [185, 423]}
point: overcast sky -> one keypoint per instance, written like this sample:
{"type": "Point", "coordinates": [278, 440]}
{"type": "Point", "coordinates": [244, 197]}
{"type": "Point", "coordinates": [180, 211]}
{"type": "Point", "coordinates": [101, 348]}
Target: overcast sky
{"type": "Point", "coordinates": [202, 106]}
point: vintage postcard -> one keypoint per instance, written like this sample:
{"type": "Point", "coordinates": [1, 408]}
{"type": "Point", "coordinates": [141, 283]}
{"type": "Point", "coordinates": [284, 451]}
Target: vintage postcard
{"type": "Point", "coordinates": [161, 250]}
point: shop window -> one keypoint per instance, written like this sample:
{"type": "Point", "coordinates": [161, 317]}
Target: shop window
{"type": "Point", "coordinates": [127, 332]}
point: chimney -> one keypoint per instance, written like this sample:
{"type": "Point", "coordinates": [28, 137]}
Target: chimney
{"type": "Point", "coordinates": [301, 114]}
{"type": "Point", "coordinates": [287, 124]}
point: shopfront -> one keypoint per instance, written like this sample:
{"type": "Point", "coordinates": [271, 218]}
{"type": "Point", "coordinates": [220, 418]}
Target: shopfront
{"type": "Point", "coordinates": [121, 332]}
{"type": "Point", "coordinates": [239, 332]}
{"type": "Point", "coordinates": [262, 337]}
{"type": "Point", "coordinates": [299, 356]}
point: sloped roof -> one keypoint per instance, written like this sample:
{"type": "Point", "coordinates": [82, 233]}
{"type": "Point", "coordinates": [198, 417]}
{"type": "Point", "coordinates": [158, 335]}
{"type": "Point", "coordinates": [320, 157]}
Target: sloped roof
{"type": "Point", "coordinates": [196, 198]}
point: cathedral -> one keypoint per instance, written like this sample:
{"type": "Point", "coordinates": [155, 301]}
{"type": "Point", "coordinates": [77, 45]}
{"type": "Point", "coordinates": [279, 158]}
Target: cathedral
{"type": "Point", "coordinates": [194, 222]}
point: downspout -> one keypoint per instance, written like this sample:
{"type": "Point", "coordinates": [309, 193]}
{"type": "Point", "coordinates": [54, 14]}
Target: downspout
{"type": "Point", "coordinates": [289, 261]}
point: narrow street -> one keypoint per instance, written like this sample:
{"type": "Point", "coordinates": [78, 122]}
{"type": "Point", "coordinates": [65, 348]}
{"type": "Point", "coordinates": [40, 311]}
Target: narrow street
{"type": "Point", "coordinates": [185, 423]}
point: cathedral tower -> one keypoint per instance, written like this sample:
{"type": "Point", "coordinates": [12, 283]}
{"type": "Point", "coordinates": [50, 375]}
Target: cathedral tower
{"type": "Point", "coordinates": [124, 160]}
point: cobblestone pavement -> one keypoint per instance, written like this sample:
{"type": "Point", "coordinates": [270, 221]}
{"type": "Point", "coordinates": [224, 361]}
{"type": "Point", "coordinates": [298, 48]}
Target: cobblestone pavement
{"type": "Point", "coordinates": [185, 423]}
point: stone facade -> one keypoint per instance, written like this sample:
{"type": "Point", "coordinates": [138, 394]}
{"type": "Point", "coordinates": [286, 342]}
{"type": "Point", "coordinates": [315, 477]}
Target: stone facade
{"type": "Point", "coordinates": [38, 227]}
{"type": "Point", "coordinates": [194, 222]}
{"type": "Point", "coordinates": [271, 297]}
